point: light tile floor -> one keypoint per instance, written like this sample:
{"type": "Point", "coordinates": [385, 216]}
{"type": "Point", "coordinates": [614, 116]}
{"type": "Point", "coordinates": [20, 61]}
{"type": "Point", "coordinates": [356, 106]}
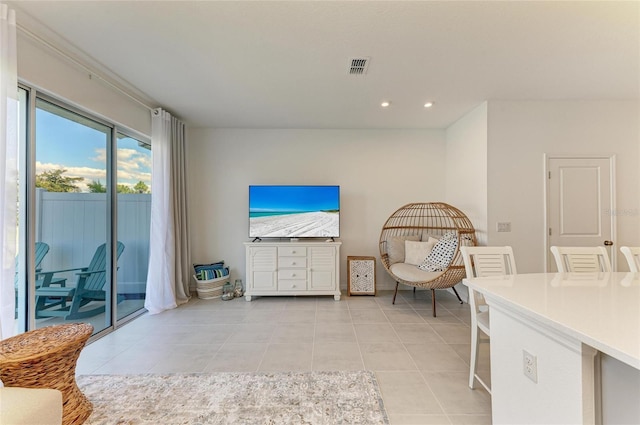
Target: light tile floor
{"type": "Point", "coordinates": [421, 362]}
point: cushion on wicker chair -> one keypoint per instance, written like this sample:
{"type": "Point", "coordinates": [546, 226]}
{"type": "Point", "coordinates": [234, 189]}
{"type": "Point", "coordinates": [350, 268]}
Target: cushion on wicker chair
{"type": "Point", "coordinates": [416, 252]}
{"type": "Point", "coordinates": [396, 245]}
{"type": "Point", "coordinates": [411, 273]}
{"type": "Point", "coordinates": [442, 253]}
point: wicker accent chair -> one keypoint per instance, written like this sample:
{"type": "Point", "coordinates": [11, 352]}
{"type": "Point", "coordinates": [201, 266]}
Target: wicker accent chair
{"type": "Point", "coordinates": [419, 222]}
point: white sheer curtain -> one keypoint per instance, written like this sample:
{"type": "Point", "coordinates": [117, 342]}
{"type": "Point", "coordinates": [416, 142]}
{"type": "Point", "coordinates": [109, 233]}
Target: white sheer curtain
{"type": "Point", "coordinates": [8, 167]}
{"type": "Point", "coordinates": [170, 256]}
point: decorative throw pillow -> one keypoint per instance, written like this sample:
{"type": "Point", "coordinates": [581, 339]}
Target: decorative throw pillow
{"type": "Point", "coordinates": [442, 253]}
{"type": "Point", "coordinates": [395, 247]}
{"type": "Point", "coordinates": [416, 252]}
{"type": "Point", "coordinates": [210, 271]}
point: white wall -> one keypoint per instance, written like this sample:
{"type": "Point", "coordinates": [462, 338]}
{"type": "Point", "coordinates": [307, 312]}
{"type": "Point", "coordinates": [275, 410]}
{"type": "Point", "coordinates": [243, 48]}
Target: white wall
{"type": "Point", "coordinates": [378, 171]}
{"type": "Point", "coordinates": [43, 69]}
{"type": "Point", "coordinates": [521, 132]}
{"type": "Point", "coordinates": [466, 171]}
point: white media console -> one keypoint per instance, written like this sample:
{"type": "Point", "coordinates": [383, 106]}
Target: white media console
{"type": "Point", "coordinates": [293, 268]}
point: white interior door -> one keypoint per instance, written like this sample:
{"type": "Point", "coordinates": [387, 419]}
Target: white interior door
{"type": "Point", "coordinates": [580, 203]}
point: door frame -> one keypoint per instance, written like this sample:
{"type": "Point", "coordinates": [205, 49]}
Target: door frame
{"type": "Point", "coordinates": [28, 219]}
{"type": "Point", "coordinates": [612, 182]}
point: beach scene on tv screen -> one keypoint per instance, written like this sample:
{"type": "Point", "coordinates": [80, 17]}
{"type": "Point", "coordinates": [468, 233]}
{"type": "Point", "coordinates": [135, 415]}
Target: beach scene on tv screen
{"type": "Point", "coordinates": [294, 211]}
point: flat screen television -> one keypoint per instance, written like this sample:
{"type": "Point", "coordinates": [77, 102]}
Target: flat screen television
{"type": "Point", "coordinates": [279, 211]}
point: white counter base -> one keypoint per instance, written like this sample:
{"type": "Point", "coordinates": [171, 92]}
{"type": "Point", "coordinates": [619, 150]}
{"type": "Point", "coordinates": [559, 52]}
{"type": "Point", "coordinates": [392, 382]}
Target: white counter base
{"type": "Point", "coordinates": [564, 391]}
{"type": "Point", "coordinates": [584, 332]}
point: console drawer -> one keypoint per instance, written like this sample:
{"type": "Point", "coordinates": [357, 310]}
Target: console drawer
{"type": "Point", "coordinates": [292, 251]}
{"type": "Point", "coordinates": [292, 262]}
{"type": "Point", "coordinates": [293, 274]}
{"type": "Point", "coordinates": [292, 285]}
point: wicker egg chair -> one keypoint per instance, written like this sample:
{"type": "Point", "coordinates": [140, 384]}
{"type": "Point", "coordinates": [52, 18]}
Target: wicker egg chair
{"type": "Point", "coordinates": [418, 222]}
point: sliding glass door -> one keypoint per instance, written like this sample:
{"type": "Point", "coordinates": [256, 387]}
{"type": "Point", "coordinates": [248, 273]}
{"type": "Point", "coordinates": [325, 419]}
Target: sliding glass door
{"type": "Point", "coordinates": [71, 203]}
{"type": "Point", "coordinates": [134, 213]}
{"type": "Point", "coordinates": [84, 215]}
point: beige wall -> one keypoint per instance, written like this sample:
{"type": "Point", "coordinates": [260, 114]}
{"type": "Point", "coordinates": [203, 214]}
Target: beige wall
{"type": "Point", "coordinates": [466, 171]}
{"type": "Point", "coordinates": [489, 164]}
{"type": "Point", "coordinates": [378, 171]}
{"type": "Point", "coordinates": [521, 132]}
{"type": "Point", "coordinates": [43, 69]}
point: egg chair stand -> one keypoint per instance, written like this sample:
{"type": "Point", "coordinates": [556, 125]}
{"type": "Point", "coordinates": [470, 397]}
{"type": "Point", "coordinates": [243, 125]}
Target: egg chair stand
{"type": "Point", "coordinates": [418, 222]}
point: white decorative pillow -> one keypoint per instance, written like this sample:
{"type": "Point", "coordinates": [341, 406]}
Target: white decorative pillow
{"type": "Point", "coordinates": [395, 247]}
{"type": "Point", "coordinates": [416, 252]}
{"type": "Point", "coordinates": [442, 253]}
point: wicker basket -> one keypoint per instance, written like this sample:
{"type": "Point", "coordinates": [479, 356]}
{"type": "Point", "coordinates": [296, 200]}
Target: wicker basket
{"type": "Point", "coordinates": [211, 288]}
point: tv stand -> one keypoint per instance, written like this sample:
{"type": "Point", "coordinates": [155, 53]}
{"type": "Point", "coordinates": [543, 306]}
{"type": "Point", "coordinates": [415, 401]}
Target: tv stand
{"type": "Point", "coordinates": [256, 239]}
{"type": "Point", "coordinates": [292, 268]}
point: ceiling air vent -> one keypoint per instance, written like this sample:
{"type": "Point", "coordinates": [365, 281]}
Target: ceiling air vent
{"type": "Point", "coordinates": [358, 66]}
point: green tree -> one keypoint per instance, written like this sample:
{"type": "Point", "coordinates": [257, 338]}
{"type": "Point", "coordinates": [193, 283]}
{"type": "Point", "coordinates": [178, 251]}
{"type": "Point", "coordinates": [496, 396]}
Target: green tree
{"type": "Point", "coordinates": [54, 181]}
{"type": "Point", "coordinates": [123, 188]}
{"type": "Point", "coordinates": [96, 187]}
{"type": "Point", "coordinates": [141, 187]}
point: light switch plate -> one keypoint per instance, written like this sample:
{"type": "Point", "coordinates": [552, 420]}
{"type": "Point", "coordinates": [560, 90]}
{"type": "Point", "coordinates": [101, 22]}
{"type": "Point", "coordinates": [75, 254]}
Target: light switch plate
{"type": "Point", "coordinates": [504, 227]}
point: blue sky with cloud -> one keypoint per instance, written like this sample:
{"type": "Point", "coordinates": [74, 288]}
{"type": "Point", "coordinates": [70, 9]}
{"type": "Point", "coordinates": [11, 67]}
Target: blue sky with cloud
{"type": "Point", "coordinates": [81, 150]}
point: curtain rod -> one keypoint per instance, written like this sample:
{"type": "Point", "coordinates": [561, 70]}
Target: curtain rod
{"type": "Point", "coordinates": [76, 62]}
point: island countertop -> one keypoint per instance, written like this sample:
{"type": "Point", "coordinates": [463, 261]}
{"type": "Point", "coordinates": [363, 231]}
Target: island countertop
{"type": "Point", "coordinates": [601, 310]}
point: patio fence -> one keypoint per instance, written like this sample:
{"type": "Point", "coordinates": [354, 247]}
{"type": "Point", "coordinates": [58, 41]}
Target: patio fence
{"type": "Point", "coordinates": [75, 224]}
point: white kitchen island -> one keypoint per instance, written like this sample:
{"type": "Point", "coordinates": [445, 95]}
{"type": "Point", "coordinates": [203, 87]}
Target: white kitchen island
{"type": "Point", "coordinates": [583, 332]}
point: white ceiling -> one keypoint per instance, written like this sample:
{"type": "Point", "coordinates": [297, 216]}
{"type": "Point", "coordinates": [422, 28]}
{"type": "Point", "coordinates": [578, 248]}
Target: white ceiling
{"type": "Point", "coordinates": [274, 64]}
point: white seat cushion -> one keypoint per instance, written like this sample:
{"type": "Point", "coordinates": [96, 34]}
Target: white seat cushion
{"type": "Point", "coordinates": [412, 273]}
{"type": "Point", "coordinates": [30, 406]}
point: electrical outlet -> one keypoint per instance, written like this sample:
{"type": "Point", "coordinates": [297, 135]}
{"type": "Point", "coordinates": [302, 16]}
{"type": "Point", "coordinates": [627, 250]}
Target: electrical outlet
{"type": "Point", "coordinates": [504, 227]}
{"type": "Point", "coordinates": [530, 366]}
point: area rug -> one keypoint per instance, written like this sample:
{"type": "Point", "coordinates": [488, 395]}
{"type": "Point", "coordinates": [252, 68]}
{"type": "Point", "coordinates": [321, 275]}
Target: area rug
{"type": "Point", "coordinates": [325, 398]}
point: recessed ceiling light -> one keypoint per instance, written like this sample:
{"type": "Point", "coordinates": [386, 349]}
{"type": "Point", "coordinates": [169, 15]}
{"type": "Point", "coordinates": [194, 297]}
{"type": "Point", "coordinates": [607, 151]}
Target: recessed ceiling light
{"type": "Point", "coordinates": [385, 104]}
{"type": "Point", "coordinates": [428, 104]}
